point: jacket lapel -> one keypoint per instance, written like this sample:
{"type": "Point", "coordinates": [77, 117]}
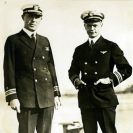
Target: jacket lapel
{"type": "Point", "coordinates": [26, 40]}
{"type": "Point", "coordinates": [99, 43]}
{"type": "Point", "coordinates": [38, 39]}
{"type": "Point", "coordinates": [90, 52]}
{"type": "Point", "coordinates": [42, 41]}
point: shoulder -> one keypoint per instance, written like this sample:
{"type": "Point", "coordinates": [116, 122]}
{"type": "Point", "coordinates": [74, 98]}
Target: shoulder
{"type": "Point", "coordinates": [82, 46]}
{"type": "Point", "coordinates": [112, 45]}
{"type": "Point", "coordinates": [109, 42]}
{"type": "Point", "coordinates": [13, 36]}
{"type": "Point", "coordinates": [43, 38]}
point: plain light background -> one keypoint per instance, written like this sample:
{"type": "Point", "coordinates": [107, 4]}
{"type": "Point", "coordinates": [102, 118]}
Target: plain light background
{"type": "Point", "coordinates": [62, 25]}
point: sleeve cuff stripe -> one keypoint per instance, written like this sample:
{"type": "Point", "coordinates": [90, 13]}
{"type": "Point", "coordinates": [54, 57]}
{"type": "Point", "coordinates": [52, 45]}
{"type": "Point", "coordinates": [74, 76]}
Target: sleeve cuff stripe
{"type": "Point", "coordinates": [74, 77]}
{"type": "Point", "coordinates": [118, 76]}
{"type": "Point", "coordinates": [56, 88]}
{"type": "Point", "coordinates": [10, 92]}
{"type": "Point", "coordinates": [74, 82]}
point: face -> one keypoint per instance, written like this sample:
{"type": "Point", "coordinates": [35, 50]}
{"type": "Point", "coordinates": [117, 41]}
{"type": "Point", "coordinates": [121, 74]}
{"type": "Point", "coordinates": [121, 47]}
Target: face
{"type": "Point", "coordinates": [93, 28]}
{"type": "Point", "coordinates": [31, 21]}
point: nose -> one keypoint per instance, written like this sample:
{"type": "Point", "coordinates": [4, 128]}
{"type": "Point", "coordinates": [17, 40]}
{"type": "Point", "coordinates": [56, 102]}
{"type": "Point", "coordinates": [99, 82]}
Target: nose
{"type": "Point", "coordinates": [34, 18]}
{"type": "Point", "coordinates": [92, 27]}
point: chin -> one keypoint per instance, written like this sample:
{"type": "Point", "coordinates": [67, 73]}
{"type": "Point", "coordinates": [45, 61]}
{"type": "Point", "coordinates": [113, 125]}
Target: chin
{"type": "Point", "coordinates": [32, 29]}
{"type": "Point", "coordinates": [93, 36]}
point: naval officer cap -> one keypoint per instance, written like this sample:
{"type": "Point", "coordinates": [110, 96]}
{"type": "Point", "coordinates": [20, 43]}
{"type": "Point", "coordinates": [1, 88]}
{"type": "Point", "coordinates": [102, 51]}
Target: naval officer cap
{"type": "Point", "coordinates": [32, 9]}
{"type": "Point", "coordinates": [92, 16]}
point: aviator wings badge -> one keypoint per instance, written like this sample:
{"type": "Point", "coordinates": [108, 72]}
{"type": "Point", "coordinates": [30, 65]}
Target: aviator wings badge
{"type": "Point", "coordinates": [103, 52]}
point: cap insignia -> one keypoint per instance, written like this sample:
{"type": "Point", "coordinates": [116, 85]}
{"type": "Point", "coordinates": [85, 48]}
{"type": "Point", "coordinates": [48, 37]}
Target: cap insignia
{"type": "Point", "coordinates": [36, 7]}
{"type": "Point", "coordinates": [91, 14]}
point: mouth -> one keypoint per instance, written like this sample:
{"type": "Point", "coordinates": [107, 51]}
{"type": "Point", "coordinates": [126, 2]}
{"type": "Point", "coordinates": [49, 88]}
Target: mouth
{"type": "Point", "coordinates": [91, 32]}
{"type": "Point", "coordinates": [32, 25]}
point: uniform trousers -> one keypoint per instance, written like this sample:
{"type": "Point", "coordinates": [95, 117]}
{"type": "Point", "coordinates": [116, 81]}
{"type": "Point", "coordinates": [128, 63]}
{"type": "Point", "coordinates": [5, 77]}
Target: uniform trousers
{"type": "Point", "coordinates": [36, 118]}
{"type": "Point", "coordinates": [104, 116]}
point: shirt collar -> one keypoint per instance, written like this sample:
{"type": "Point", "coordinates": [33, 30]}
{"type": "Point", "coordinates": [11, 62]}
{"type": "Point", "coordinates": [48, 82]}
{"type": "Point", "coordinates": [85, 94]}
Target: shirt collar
{"type": "Point", "coordinates": [29, 33]}
{"type": "Point", "coordinates": [94, 39]}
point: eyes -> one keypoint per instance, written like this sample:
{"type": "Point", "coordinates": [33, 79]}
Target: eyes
{"type": "Point", "coordinates": [34, 16]}
{"type": "Point", "coordinates": [92, 25]}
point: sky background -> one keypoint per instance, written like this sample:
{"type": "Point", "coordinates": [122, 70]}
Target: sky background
{"type": "Point", "coordinates": [62, 25]}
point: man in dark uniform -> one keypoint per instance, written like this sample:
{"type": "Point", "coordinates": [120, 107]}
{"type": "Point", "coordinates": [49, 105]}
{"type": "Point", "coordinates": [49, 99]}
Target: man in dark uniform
{"type": "Point", "coordinates": [31, 86]}
{"type": "Point", "coordinates": [92, 74]}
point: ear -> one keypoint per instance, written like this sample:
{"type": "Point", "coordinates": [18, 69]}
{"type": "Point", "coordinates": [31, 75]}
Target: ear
{"type": "Point", "coordinates": [22, 16]}
{"type": "Point", "coordinates": [101, 24]}
{"type": "Point", "coordinates": [85, 25]}
{"type": "Point", "coordinates": [41, 17]}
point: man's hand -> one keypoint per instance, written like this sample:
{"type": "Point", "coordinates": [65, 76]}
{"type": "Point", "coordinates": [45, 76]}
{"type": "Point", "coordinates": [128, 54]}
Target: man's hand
{"type": "Point", "coordinates": [103, 81]}
{"type": "Point", "coordinates": [15, 105]}
{"type": "Point", "coordinates": [57, 102]}
{"type": "Point", "coordinates": [79, 83]}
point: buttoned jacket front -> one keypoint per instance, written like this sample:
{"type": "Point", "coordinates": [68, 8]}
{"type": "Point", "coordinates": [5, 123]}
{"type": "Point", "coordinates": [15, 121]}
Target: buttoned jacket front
{"type": "Point", "coordinates": [96, 63]}
{"type": "Point", "coordinates": [29, 71]}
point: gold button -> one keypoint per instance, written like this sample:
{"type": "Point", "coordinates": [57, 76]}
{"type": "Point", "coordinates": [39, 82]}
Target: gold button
{"type": "Point", "coordinates": [95, 73]}
{"type": "Point", "coordinates": [96, 62]}
{"type": "Point", "coordinates": [34, 69]}
{"type": "Point", "coordinates": [43, 57]}
{"type": "Point", "coordinates": [85, 73]}
{"type": "Point", "coordinates": [86, 63]}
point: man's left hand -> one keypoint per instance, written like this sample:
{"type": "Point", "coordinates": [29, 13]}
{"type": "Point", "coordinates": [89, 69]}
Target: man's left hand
{"type": "Point", "coordinates": [57, 102]}
{"type": "Point", "coordinates": [103, 81]}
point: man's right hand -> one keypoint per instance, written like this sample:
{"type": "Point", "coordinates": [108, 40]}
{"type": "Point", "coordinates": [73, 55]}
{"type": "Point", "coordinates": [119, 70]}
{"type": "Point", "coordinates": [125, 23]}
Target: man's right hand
{"type": "Point", "coordinates": [15, 105]}
{"type": "Point", "coordinates": [79, 83]}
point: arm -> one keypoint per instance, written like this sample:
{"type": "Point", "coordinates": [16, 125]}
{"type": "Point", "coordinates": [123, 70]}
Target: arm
{"type": "Point", "coordinates": [124, 70]}
{"type": "Point", "coordinates": [52, 70]}
{"type": "Point", "coordinates": [74, 71]}
{"type": "Point", "coordinates": [51, 66]}
{"type": "Point", "coordinates": [9, 71]}
{"type": "Point", "coordinates": [9, 75]}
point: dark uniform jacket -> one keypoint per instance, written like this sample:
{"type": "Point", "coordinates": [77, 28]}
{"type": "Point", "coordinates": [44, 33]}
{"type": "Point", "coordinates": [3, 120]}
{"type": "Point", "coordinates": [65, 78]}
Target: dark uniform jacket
{"type": "Point", "coordinates": [95, 63]}
{"type": "Point", "coordinates": [29, 72]}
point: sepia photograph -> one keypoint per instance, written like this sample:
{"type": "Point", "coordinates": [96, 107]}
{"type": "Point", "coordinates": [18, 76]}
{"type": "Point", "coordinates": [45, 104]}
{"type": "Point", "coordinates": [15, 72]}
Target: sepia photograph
{"type": "Point", "coordinates": [66, 66]}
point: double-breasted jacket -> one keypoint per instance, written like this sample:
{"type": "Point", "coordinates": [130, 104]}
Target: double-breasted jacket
{"type": "Point", "coordinates": [29, 71]}
{"type": "Point", "coordinates": [90, 64]}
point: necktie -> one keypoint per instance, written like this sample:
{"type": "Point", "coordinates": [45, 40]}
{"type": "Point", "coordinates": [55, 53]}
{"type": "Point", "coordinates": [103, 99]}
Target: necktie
{"type": "Point", "coordinates": [91, 44]}
{"type": "Point", "coordinates": [33, 38]}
